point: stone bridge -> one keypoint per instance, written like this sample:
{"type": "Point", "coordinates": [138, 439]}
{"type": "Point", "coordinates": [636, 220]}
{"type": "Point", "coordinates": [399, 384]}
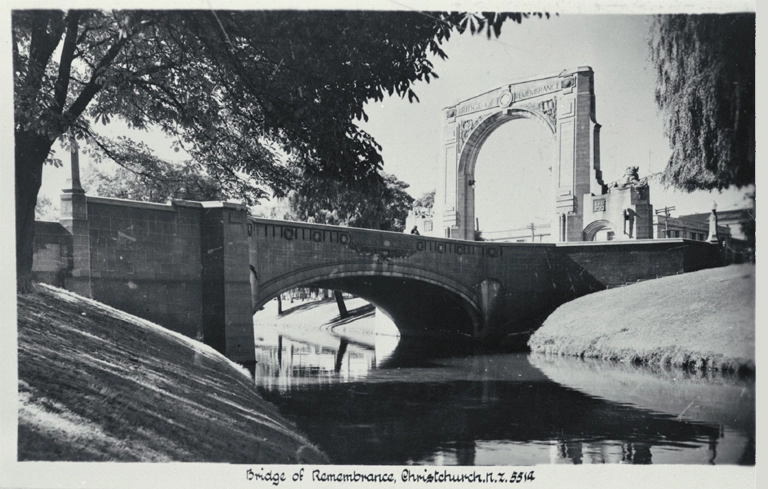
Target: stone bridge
{"type": "Point", "coordinates": [204, 268]}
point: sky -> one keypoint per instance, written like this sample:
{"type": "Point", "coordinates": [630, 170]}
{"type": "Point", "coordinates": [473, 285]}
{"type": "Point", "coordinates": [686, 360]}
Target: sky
{"type": "Point", "coordinates": [513, 168]}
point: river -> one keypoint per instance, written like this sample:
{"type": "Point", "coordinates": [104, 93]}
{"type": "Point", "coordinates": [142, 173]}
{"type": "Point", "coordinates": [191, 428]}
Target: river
{"type": "Point", "coordinates": [372, 399]}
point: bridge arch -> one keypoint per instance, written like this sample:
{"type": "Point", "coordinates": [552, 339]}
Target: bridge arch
{"type": "Point", "coordinates": [409, 295]}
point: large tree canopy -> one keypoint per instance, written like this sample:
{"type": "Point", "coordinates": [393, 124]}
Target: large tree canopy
{"type": "Point", "coordinates": [381, 204]}
{"type": "Point", "coordinates": [705, 71]}
{"type": "Point", "coordinates": [236, 89]}
{"type": "Point", "coordinates": [184, 181]}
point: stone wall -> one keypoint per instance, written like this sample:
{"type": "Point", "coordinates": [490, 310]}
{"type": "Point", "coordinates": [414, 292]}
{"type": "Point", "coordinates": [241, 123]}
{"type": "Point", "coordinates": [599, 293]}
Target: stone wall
{"type": "Point", "coordinates": [611, 264]}
{"type": "Point", "coordinates": [53, 252]}
{"type": "Point", "coordinates": [146, 260]}
{"type": "Point", "coordinates": [183, 265]}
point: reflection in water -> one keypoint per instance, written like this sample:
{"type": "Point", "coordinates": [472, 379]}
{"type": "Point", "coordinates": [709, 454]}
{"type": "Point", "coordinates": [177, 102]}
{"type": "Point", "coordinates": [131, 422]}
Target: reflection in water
{"type": "Point", "coordinates": [722, 400]}
{"type": "Point", "coordinates": [289, 357]}
{"type": "Point", "coordinates": [366, 404]}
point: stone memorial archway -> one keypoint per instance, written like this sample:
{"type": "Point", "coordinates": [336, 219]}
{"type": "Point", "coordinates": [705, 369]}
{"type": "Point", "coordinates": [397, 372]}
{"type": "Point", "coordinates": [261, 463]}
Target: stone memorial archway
{"type": "Point", "coordinates": [565, 104]}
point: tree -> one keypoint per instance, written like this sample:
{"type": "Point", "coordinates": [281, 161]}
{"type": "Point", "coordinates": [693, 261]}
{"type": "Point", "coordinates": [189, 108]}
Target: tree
{"type": "Point", "coordinates": [235, 89]}
{"type": "Point", "coordinates": [379, 204]}
{"type": "Point", "coordinates": [427, 200]}
{"type": "Point", "coordinates": [185, 181]}
{"type": "Point", "coordinates": [45, 210]}
{"type": "Point", "coordinates": [705, 72]}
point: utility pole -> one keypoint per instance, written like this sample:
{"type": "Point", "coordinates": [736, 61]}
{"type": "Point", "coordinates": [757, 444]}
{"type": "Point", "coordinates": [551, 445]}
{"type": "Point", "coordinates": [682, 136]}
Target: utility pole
{"type": "Point", "coordinates": [532, 227]}
{"type": "Point", "coordinates": [665, 211]}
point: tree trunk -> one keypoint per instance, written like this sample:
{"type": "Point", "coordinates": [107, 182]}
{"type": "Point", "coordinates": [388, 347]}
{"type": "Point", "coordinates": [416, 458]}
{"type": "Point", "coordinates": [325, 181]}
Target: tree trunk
{"type": "Point", "coordinates": [340, 302]}
{"type": "Point", "coordinates": [279, 304]}
{"type": "Point", "coordinates": [30, 154]}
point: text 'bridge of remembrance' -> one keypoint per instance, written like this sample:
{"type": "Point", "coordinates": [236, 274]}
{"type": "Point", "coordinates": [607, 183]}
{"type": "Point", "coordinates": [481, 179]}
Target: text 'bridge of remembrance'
{"type": "Point", "coordinates": [204, 268]}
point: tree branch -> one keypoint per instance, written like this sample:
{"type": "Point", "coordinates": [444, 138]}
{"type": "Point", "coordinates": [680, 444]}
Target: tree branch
{"type": "Point", "coordinates": [42, 44]}
{"type": "Point", "coordinates": [65, 63]}
{"type": "Point", "coordinates": [93, 87]}
{"type": "Point", "coordinates": [118, 159]}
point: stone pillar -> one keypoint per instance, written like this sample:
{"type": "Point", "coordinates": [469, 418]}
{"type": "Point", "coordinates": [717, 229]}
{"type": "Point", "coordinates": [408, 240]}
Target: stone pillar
{"type": "Point", "coordinates": [227, 311]}
{"type": "Point", "coordinates": [74, 217]}
{"type": "Point", "coordinates": [578, 148]}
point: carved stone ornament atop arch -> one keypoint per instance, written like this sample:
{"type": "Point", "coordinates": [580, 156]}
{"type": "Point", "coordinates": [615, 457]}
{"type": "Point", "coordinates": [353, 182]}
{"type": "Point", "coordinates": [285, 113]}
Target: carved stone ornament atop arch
{"type": "Point", "coordinates": [546, 109]}
{"type": "Point", "coordinates": [505, 99]}
{"type": "Point", "coordinates": [467, 126]}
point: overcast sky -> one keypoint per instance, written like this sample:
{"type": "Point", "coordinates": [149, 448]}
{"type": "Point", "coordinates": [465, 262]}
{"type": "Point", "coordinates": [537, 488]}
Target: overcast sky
{"type": "Point", "coordinates": [513, 167]}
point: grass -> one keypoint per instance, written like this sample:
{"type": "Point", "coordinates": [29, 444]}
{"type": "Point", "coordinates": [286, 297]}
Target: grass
{"type": "Point", "coordinates": [96, 384]}
{"type": "Point", "coordinates": [703, 320]}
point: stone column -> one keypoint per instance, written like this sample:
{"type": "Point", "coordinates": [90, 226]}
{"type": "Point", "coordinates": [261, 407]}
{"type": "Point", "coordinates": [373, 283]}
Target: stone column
{"type": "Point", "coordinates": [74, 217]}
{"type": "Point", "coordinates": [227, 311]}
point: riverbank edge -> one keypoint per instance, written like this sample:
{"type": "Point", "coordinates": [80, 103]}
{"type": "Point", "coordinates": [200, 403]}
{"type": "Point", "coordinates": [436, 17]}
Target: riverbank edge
{"type": "Point", "coordinates": [702, 320]}
{"type": "Point", "coordinates": [98, 384]}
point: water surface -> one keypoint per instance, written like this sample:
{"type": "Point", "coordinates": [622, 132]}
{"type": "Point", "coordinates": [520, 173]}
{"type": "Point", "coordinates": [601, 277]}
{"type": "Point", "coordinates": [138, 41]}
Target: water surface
{"type": "Point", "coordinates": [369, 399]}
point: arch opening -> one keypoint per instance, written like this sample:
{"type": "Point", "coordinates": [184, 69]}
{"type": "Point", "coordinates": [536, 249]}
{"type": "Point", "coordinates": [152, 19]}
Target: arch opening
{"type": "Point", "coordinates": [512, 183]}
{"type": "Point", "coordinates": [418, 308]}
{"type": "Point", "coordinates": [601, 230]}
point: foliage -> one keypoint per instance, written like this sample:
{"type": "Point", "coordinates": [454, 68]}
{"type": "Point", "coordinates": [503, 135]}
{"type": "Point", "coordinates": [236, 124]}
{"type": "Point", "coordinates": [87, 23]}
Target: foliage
{"type": "Point", "coordinates": [186, 181]}
{"type": "Point", "coordinates": [382, 204]}
{"type": "Point", "coordinates": [45, 210]}
{"type": "Point", "coordinates": [426, 201]}
{"type": "Point", "coordinates": [749, 225]}
{"type": "Point", "coordinates": [238, 90]}
{"type": "Point", "coordinates": [705, 71]}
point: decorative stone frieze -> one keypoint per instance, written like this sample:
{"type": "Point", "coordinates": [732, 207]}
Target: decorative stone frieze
{"type": "Point", "coordinates": [546, 108]}
{"type": "Point", "coordinates": [382, 249]}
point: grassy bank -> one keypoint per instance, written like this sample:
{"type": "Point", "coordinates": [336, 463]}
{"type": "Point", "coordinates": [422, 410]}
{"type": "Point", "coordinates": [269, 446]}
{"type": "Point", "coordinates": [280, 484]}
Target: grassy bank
{"type": "Point", "coordinates": [702, 320]}
{"type": "Point", "coordinates": [96, 384]}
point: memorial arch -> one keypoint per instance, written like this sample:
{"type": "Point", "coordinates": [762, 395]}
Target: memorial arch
{"type": "Point", "coordinates": [564, 103]}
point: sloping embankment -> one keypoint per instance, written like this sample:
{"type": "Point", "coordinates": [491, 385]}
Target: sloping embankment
{"type": "Point", "coordinates": [702, 320]}
{"type": "Point", "coordinates": [96, 384]}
